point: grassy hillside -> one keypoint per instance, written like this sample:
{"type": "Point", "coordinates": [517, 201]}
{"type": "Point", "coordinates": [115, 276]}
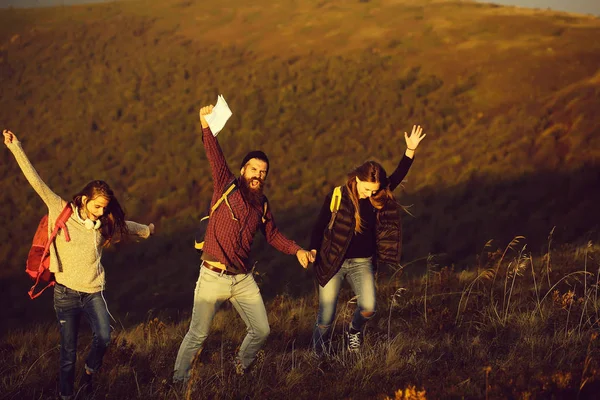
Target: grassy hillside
{"type": "Point", "coordinates": [507, 97]}
{"type": "Point", "coordinates": [518, 325]}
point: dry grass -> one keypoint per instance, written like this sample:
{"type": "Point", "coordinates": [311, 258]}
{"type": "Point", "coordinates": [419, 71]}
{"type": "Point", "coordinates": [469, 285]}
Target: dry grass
{"type": "Point", "coordinates": [523, 326]}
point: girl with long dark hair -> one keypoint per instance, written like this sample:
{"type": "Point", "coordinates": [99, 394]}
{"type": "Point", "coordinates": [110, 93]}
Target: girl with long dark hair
{"type": "Point", "coordinates": [362, 231]}
{"type": "Point", "coordinates": [97, 221]}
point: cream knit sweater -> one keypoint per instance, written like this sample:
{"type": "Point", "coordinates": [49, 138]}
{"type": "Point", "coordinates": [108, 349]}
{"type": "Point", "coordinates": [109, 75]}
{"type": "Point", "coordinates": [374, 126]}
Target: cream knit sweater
{"type": "Point", "coordinates": [76, 264]}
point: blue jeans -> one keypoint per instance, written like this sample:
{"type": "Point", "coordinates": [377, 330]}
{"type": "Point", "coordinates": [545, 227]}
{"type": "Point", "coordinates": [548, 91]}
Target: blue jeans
{"type": "Point", "coordinates": [359, 272]}
{"type": "Point", "coordinates": [212, 289]}
{"type": "Point", "coordinates": [69, 306]}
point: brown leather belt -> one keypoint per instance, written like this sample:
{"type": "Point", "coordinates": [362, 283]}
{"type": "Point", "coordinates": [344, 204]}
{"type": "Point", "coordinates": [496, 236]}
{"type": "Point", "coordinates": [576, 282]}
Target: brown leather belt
{"type": "Point", "coordinates": [216, 269]}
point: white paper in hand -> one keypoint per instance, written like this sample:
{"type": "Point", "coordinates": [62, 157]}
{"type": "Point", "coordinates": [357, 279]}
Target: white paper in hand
{"type": "Point", "coordinates": [218, 117]}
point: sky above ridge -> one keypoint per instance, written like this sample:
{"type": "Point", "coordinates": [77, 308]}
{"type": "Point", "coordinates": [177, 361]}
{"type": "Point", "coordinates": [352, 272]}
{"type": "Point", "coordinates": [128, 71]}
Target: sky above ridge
{"type": "Point", "coordinates": [574, 6]}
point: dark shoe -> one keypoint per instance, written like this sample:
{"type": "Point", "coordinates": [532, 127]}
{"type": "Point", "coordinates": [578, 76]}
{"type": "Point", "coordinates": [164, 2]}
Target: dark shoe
{"type": "Point", "coordinates": [354, 340]}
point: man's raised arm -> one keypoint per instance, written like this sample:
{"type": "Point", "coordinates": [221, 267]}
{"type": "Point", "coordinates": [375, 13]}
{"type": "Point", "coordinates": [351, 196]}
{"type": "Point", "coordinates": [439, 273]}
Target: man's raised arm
{"type": "Point", "coordinates": [218, 165]}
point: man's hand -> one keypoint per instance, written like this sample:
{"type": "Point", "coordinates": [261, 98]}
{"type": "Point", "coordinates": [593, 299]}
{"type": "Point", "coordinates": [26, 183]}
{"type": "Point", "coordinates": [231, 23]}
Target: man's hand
{"type": "Point", "coordinates": [205, 111]}
{"type": "Point", "coordinates": [313, 255]}
{"type": "Point", "coordinates": [9, 137]}
{"type": "Point", "coordinates": [304, 257]}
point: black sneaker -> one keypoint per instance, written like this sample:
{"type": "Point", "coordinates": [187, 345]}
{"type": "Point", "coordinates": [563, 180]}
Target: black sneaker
{"type": "Point", "coordinates": [354, 340]}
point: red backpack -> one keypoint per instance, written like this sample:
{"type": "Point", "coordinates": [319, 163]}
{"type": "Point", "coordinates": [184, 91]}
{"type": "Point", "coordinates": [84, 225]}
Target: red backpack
{"type": "Point", "coordinates": [38, 260]}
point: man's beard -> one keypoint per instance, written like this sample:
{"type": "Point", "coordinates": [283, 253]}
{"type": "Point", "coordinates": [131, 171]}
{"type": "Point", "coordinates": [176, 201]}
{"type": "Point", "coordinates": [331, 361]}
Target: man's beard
{"type": "Point", "coordinates": [254, 196]}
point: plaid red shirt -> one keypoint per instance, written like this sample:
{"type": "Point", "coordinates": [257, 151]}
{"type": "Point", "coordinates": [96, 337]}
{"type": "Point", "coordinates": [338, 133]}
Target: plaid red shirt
{"type": "Point", "coordinates": [228, 240]}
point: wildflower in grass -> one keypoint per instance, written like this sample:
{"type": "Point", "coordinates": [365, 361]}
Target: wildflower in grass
{"type": "Point", "coordinates": [410, 393]}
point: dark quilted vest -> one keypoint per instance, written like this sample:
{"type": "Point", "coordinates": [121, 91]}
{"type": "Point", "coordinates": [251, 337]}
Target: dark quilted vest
{"type": "Point", "coordinates": [389, 234]}
{"type": "Point", "coordinates": [336, 240]}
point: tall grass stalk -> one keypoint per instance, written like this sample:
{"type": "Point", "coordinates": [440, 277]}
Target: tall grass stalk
{"type": "Point", "coordinates": [510, 246]}
{"type": "Point", "coordinates": [585, 291]}
{"type": "Point", "coordinates": [426, 284]}
{"type": "Point", "coordinates": [393, 303]}
{"type": "Point", "coordinates": [550, 235]}
{"type": "Point", "coordinates": [137, 383]}
{"type": "Point", "coordinates": [486, 274]}
{"type": "Point", "coordinates": [569, 314]}
{"type": "Point", "coordinates": [519, 264]}
{"type": "Point", "coordinates": [586, 364]}
{"type": "Point", "coordinates": [535, 287]}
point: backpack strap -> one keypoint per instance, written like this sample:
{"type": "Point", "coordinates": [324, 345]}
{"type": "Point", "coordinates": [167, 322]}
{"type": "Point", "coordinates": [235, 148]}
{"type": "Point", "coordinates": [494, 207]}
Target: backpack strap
{"type": "Point", "coordinates": [61, 223]}
{"type": "Point", "coordinates": [265, 208]}
{"type": "Point", "coordinates": [334, 205]}
{"type": "Point", "coordinates": [223, 198]}
{"type": "Point", "coordinates": [336, 199]}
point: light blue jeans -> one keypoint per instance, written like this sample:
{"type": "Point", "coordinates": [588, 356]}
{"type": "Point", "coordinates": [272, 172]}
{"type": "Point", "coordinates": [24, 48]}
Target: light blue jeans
{"type": "Point", "coordinates": [212, 289]}
{"type": "Point", "coordinates": [359, 272]}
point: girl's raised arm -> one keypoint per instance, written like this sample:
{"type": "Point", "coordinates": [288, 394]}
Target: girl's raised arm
{"type": "Point", "coordinates": [48, 196]}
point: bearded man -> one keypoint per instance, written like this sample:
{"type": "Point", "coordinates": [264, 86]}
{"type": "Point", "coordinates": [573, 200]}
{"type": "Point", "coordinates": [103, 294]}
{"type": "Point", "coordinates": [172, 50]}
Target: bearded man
{"type": "Point", "coordinates": [225, 273]}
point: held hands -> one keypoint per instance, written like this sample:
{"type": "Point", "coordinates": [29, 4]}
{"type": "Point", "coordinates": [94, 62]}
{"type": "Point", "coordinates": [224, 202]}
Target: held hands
{"type": "Point", "coordinates": [9, 137]}
{"type": "Point", "coordinates": [412, 141]}
{"type": "Point", "coordinates": [152, 229]}
{"type": "Point", "coordinates": [304, 257]}
{"type": "Point", "coordinates": [205, 111]}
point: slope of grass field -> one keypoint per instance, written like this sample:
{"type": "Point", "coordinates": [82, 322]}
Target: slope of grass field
{"type": "Point", "coordinates": [508, 99]}
{"type": "Point", "coordinates": [516, 326]}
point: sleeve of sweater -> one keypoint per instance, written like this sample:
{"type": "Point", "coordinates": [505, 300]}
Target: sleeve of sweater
{"type": "Point", "coordinates": [51, 199]}
{"type": "Point", "coordinates": [319, 228]}
{"type": "Point", "coordinates": [137, 229]}
{"type": "Point", "coordinates": [400, 172]}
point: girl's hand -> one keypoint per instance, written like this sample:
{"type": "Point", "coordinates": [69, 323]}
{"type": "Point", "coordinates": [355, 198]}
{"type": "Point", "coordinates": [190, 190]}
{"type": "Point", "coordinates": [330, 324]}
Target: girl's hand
{"type": "Point", "coordinates": [9, 137]}
{"type": "Point", "coordinates": [412, 141]}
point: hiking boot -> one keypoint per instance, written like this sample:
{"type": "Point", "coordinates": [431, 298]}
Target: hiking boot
{"type": "Point", "coordinates": [354, 340]}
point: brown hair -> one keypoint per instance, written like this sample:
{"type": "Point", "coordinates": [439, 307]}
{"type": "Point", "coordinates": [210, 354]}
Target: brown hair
{"type": "Point", "coordinates": [372, 172]}
{"type": "Point", "coordinates": [113, 227]}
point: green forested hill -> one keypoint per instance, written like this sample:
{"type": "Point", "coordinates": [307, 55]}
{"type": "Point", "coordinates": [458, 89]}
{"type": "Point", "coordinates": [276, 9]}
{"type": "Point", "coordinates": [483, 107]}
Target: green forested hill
{"type": "Point", "coordinates": [508, 98]}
